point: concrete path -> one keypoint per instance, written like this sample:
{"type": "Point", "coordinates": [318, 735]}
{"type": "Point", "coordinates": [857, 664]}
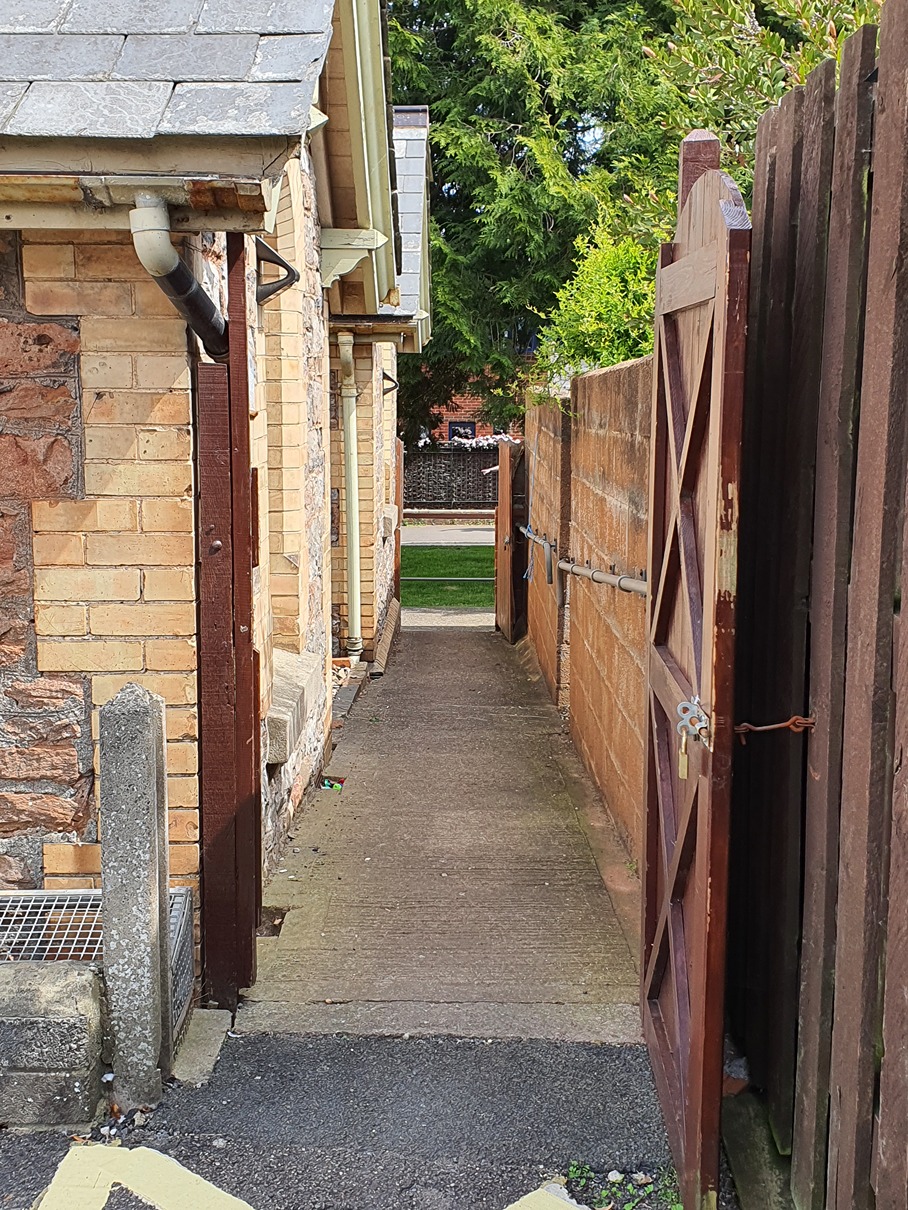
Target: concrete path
{"type": "Point", "coordinates": [441, 617]}
{"type": "Point", "coordinates": [453, 886]}
{"type": "Point", "coordinates": [447, 535]}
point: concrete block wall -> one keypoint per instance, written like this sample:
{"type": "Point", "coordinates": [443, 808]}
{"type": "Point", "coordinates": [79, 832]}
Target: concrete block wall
{"type": "Point", "coordinates": [606, 467]}
{"type": "Point", "coordinates": [96, 516]}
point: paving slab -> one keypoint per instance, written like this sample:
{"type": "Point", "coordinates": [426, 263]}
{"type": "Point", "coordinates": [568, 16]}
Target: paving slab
{"type": "Point", "coordinates": [447, 535]}
{"type": "Point", "coordinates": [452, 886]}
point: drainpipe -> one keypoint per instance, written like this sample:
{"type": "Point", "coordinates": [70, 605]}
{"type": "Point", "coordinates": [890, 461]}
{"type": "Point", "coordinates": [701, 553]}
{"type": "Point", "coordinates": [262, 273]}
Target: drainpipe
{"type": "Point", "coordinates": [351, 484]}
{"type": "Point", "coordinates": [150, 225]}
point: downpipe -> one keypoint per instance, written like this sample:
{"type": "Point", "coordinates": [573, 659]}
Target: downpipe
{"type": "Point", "coordinates": [150, 226]}
{"type": "Point", "coordinates": [351, 490]}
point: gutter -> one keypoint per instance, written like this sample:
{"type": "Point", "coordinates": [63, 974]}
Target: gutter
{"type": "Point", "coordinates": [351, 494]}
{"type": "Point", "coordinates": [150, 226]}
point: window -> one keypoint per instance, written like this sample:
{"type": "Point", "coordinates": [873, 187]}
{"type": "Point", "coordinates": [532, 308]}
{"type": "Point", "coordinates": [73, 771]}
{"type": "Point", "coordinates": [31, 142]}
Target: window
{"type": "Point", "coordinates": [461, 428]}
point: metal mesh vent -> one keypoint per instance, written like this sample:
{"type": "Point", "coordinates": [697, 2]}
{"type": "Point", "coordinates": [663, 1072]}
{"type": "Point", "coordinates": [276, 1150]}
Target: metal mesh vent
{"type": "Point", "coordinates": [65, 926]}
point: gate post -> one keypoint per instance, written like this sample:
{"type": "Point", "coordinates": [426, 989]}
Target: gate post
{"type": "Point", "coordinates": [135, 898]}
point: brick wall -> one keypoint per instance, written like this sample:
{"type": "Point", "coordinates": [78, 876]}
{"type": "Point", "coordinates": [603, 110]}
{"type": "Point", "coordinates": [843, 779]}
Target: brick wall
{"type": "Point", "coordinates": [548, 446]}
{"type": "Point", "coordinates": [294, 490]}
{"type": "Point", "coordinates": [606, 462]}
{"type": "Point", "coordinates": [376, 418]}
{"type": "Point", "coordinates": [96, 501]}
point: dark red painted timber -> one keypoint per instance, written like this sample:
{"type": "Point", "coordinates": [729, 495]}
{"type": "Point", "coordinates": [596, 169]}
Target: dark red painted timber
{"type": "Point", "coordinates": [867, 763]}
{"type": "Point", "coordinates": [701, 325]}
{"type": "Point", "coordinates": [248, 793]}
{"type": "Point", "coordinates": [217, 685]}
{"type": "Point", "coordinates": [840, 381]}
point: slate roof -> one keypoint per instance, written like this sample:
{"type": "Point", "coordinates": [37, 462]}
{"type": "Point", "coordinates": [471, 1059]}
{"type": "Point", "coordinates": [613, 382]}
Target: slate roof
{"type": "Point", "coordinates": [411, 150]}
{"type": "Point", "coordinates": [140, 68]}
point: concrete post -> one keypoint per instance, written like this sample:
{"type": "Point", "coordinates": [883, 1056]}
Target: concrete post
{"type": "Point", "coordinates": [134, 873]}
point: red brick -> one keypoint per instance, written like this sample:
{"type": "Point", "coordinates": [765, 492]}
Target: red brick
{"type": "Point", "coordinates": [21, 813]}
{"type": "Point", "coordinates": [33, 403]}
{"type": "Point", "coordinates": [35, 468]}
{"type": "Point", "coordinates": [46, 692]}
{"type": "Point", "coordinates": [45, 762]}
{"type": "Point", "coordinates": [13, 641]}
{"type": "Point", "coordinates": [36, 348]}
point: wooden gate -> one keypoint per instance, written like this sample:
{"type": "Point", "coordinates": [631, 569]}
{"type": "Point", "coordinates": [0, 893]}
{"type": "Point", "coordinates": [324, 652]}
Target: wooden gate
{"type": "Point", "coordinates": [701, 322]}
{"type": "Point", "coordinates": [510, 543]}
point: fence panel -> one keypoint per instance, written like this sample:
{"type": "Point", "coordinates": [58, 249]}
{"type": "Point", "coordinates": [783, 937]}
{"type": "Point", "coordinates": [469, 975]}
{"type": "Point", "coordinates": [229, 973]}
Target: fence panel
{"type": "Point", "coordinates": [867, 763]}
{"type": "Point", "coordinates": [833, 502]}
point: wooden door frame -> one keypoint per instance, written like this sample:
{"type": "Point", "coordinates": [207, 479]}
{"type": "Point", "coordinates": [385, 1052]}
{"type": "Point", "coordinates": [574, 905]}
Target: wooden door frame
{"type": "Point", "coordinates": [229, 739]}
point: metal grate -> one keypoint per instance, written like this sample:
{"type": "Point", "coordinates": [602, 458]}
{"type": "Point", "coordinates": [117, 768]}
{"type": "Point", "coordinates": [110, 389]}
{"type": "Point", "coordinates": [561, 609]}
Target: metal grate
{"type": "Point", "coordinates": [182, 960]}
{"type": "Point", "coordinates": [65, 926]}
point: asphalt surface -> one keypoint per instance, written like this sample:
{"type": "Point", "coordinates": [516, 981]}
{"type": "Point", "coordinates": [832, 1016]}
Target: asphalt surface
{"type": "Point", "coordinates": [316, 1122]}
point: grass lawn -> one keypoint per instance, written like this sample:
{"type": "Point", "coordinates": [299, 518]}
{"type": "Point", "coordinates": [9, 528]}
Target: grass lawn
{"type": "Point", "coordinates": [447, 561]}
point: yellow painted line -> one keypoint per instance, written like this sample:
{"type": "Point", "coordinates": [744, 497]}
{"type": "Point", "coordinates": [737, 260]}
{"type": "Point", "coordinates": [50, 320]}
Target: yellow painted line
{"type": "Point", "coordinates": [539, 1200]}
{"type": "Point", "coordinates": [86, 1175]}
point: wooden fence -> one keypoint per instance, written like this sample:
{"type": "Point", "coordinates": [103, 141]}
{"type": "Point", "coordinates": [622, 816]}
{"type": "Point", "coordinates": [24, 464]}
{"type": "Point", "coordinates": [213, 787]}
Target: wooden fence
{"type": "Point", "coordinates": [818, 933]}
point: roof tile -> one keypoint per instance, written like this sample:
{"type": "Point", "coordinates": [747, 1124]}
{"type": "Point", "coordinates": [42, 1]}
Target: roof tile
{"type": "Point", "coordinates": [108, 110]}
{"type": "Point", "coordinates": [129, 17]}
{"type": "Point", "coordinates": [182, 57]}
{"type": "Point", "coordinates": [31, 16]}
{"type": "Point", "coordinates": [265, 16]}
{"type": "Point", "coordinates": [288, 57]}
{"type": "Point", "coordinates": [238, 109]}
{"type": "Point", "coordinates": [48, 56]}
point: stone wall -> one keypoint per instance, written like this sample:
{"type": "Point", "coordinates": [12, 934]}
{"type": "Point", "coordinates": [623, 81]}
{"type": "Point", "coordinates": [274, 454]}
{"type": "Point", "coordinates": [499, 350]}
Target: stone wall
{"type": "Point", "coordinates": [606, 463]}
{"type": "Point", "coordinates": [294, 489]}
{"type": "Point", "coordinates": [96, 525]}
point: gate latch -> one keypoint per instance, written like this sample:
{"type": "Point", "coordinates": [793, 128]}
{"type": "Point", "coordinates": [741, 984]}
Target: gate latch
{"type": "Point", "coordinates": [693, 724]}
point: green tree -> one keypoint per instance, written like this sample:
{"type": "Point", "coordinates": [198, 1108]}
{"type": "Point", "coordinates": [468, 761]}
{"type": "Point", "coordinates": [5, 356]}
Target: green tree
{"type": "Point", "coordinates": [523, 105]}
{"type": "Point", "coordinates": [719, 67]}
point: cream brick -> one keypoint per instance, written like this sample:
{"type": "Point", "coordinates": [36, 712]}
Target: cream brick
{"type": "Point", "coordinates": [171, 516]}
{"type": "Point", "coordinates": [138, 479]}
{"type": "Point", "coordinates": [55, 620]}
{"type": "Point", "coordinates": [169, 444]}
{"type": "Point", "coordinates": [168, 584]}
{"type": "Point", "coordinates": [106, 441]}
{"type": "Point", "coordinates": [82, 235]}
{"type": "Point", "coordinates": [181, 724]}
{"type": "Point", "coordinates": [132, 335]}
{"type": "Point", "coordinates": [108, 262]}
{"type": "Point", "coordinates": [101, 655]}
{"type": "Point", "coordinates": [77, 298]}
{"type": "Point", "coordinates": [88, 515]}
{"type": "Point", "coordinates": [53, 882]}
{"type": "Point", "coordinates": [182, 825]}
{"type": "Point", "coordinates": [72, 859]}
{"type": "Point", "coordinates": [182, 791]}
{"type": "Point", "coordinates": [176, 688]}
{"type": "Point", "coordinates": [142, 619]}
{"type": "Point", "coordinates": [143, 550]}
{"type": "Point", "coordinates": [184, 859]}
{"type": "Point", "coordinates": [106, 370]}
{"type": "Point", "coordinates": [87, 584]}
{"type": "Point", "coordinates": [54, 550]}
{"type": "Point", "coordinates": [47, 261]}
{"type": "Point", "coordinates": [138, 407]}
{"type": "Point", "coordinates": [183, 759]}
{"type": "Point", "coordinates": [170, 655]}
{"type": "Point", "coordinates": [150, 299]}
{"type": "Point", "coordinates": [169, 373]}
